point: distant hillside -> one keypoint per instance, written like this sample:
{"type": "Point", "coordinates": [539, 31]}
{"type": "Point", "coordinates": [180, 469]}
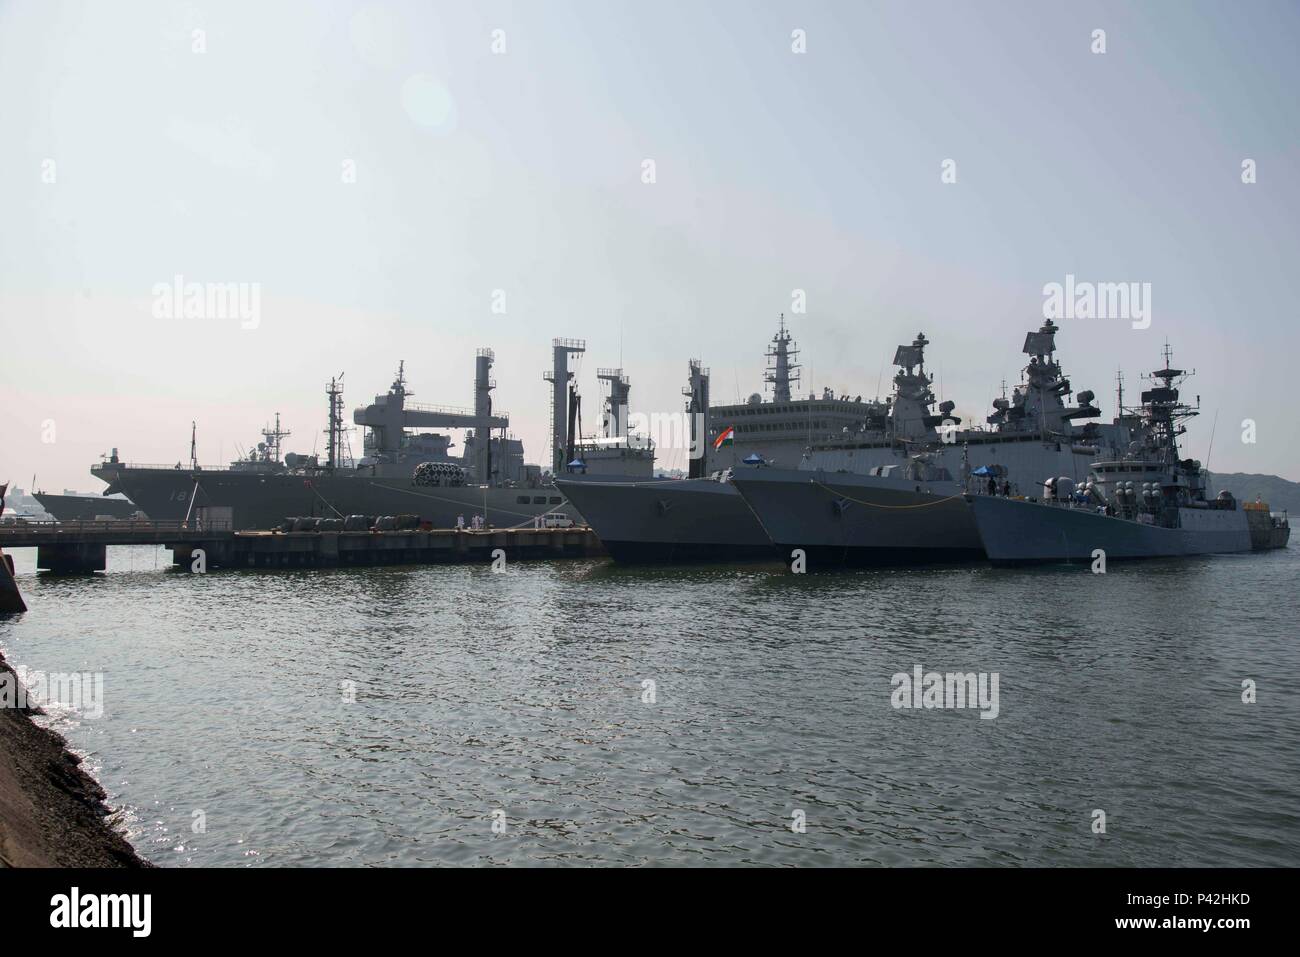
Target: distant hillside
{"type": "Point", "coordinates": [1280, 494]}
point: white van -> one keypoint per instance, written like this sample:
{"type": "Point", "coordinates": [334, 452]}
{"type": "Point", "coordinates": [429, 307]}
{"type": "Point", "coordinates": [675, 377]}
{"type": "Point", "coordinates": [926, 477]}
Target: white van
{"type": "Point", "coordinates": [556, 520]}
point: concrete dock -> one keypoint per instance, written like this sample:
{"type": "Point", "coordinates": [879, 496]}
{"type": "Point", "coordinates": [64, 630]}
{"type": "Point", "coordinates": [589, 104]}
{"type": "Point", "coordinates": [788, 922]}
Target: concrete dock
{"type": "Point", "coordinates": [331, 549]}
{"type": "Point", "coordinates": [79, 547]}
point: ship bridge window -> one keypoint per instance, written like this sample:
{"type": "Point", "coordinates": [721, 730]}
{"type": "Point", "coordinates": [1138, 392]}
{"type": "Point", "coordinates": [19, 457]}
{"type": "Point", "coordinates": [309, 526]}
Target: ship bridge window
{"type": "Point", "coordinates": [539, 499]}
{"type": "Point", "coordinates": [521, 500]}
{"type": "Point", "coordinates": [556, 500]}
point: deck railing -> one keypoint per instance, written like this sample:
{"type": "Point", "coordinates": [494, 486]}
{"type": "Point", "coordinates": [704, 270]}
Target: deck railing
{"type": "Point", "coordinates": [172, 467]}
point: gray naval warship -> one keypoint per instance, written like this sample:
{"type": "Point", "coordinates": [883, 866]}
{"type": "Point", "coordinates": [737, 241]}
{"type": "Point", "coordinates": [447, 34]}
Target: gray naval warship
{"type": "Point", "coordinates": [1145, 503]}
{"type": "Point", "coordinates": [896, 496]}
{"type": "Point", "coordinates": [702, 517]}
{"type": "Point", "coordinates": [402, 471]}
{"type": "Point", "coordinates": [77, 507]}
{"type": "Point", "coordinates": [896, 455]}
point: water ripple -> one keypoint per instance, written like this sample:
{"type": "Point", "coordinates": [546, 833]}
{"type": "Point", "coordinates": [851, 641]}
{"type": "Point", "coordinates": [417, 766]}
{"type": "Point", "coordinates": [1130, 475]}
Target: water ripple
{"type": "Point", "coordinates": [394, 716]}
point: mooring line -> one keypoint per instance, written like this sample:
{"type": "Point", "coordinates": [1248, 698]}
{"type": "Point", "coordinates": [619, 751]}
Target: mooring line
{"type": "Point", "coordinates": [875, 505]}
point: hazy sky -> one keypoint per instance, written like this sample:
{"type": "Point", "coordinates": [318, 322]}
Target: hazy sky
{"type": "Point", "coordinates": [128, 158]}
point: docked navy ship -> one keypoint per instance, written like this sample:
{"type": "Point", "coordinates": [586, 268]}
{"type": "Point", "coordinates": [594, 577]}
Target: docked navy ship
{"type": "Point", "coordinates": [896, 496]}
{"type": "Point", "coordinates": [80, 507]}
{"type": "Point", "coordinates": [406, 467]}
{"type": "Point", "coordinates": [701, 517]}
{"type": "Point", "coordinates": [19, 506]}
{"type": "Point", "coordinates": [1146, 503]}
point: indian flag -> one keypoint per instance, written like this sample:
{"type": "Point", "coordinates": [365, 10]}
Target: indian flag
{"type": "Point", "coordinates": [728, 437]}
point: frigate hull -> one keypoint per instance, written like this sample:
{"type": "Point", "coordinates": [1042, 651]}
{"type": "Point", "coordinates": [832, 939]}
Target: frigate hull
{"type": "Point", "coordinates": [1017, 532]}
{"type": "Point", "coordinates": [848, 519]}
{"type": "Point", "coordinates": [263, 501]}
{"type": "Point", "coordinates": [669, 520]}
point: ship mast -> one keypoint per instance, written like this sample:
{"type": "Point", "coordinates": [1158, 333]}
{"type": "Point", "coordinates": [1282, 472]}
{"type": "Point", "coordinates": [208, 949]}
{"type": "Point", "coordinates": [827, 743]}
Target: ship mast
{"type": "Point", "coordinates": [1165, 411]}
{"type": "Point", "coordinates": [334, 393]}
{"type": "Point", "coordinates": [271, 453]}
{"type": "Point", "coordinates": [782, 370]}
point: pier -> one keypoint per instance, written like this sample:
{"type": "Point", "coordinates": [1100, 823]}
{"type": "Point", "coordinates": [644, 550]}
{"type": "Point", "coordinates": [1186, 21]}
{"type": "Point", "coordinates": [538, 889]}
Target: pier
{"type": "Point", "coordinates": [77, 547]}
{"type": "Point", "coordinates": [80, 547]}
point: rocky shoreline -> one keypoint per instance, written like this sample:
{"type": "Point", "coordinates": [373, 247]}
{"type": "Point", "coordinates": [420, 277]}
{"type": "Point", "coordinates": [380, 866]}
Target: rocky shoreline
{"type": "Point", "coordinates": [52, 813]}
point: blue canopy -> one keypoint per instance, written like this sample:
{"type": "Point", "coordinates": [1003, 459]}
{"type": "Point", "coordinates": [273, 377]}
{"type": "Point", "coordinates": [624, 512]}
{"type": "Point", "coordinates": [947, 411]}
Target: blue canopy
{"type": "Point", "coordinates": [577, 464]}
{"type": "Point", "coordinates": [989, 470]}
{"type": "Point", "coordinates": [753, 458]}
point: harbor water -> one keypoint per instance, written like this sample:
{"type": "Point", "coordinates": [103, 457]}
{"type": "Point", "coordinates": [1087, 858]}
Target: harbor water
{"type": "Point", "coordinates": [578, 712]}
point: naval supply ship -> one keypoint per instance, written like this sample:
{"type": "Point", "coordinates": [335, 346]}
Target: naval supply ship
{"type": "Point", "coordinates": [702, 517]}
{"type": "Point", "coordinates": [897, 497]}
{"type": "Point", "coordinates": [401, 472]}
{"type": "Point", "coordinates": [1147, 503]}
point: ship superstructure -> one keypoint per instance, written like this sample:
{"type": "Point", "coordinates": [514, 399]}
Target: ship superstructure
{"type": "Point", "coordinates": [265, 456]}
{"type": "Point", "coordinates": [617, 450]}
{"type": "Point", "coordinates": [777, 429]}
{"type": "Point", "coordinates": [397, 436]}
{"type": "Point", "coordinates": [1028, 436]}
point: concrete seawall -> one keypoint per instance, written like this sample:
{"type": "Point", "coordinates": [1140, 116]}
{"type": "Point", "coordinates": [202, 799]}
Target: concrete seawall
{"type": "Point", "coordinates": [52, 813]}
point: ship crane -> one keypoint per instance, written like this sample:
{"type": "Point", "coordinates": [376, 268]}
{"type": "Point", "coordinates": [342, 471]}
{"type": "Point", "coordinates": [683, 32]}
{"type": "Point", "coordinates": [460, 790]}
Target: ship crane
{"type": "Point", "coordinates": [616, 404]}
{"type": "Point", "coordinates": [390, 415]}
{"type": "Point", "coordinates": [380, 415]}
{"type": "Point", "coordinates": [559, 376]}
